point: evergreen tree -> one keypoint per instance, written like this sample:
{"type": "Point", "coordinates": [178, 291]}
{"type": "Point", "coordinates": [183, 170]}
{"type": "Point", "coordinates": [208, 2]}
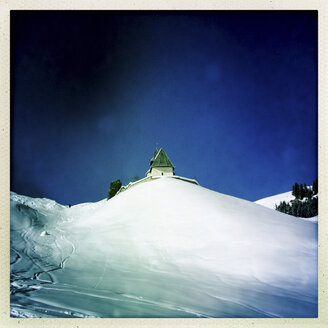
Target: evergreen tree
{"type": "Point", "coordinates": [114, 188]}
{"type": "Point", "coordinates": [302, 192]}
{"type": "Point", "coordinates": [305, 190]}
{"type": "Point", "coordinates": [309, 193]}
{"type": "Point", "coordinates": [296, 190]}
{"type": "Point", "coordinates": [315, 187]}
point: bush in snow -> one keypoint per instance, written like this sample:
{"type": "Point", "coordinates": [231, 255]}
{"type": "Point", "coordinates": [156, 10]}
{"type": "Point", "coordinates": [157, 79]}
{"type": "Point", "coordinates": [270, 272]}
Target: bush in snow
{"type": "Point", "coordinates": [114, 188]}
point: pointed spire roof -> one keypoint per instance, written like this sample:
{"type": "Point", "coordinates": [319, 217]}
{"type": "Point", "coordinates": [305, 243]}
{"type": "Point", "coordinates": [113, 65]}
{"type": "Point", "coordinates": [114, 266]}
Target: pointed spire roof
{"type": "Point", "coordinates": [160, 159]}
{"type": "Point", "coordinates": [152, 160]}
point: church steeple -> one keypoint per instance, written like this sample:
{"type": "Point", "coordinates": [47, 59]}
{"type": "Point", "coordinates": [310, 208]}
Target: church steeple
{"type": "Point", "coordinates": [152, 160]}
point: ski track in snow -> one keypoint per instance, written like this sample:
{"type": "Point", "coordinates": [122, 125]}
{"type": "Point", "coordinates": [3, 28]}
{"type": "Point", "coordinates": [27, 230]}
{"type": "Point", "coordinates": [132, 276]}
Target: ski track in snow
{"type": "Point", "coordinates": [165, 248]}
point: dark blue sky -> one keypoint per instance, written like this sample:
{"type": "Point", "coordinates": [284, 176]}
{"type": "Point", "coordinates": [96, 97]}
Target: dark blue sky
{"type": "Point", "coordinates": [230, 96]}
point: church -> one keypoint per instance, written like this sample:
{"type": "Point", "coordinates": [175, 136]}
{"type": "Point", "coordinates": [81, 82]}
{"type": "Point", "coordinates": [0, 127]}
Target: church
{"type": "Point", "coordinates": [160, 165]}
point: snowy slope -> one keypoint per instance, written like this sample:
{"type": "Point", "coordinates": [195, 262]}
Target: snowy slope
{"type": "Point", "coordinates": [272, 201]}
{"type": "Point", "coordinates": [165, 248]}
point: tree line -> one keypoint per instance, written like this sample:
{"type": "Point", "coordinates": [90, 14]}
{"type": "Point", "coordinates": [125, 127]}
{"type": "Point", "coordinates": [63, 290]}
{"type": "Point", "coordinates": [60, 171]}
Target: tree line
{"type": "Point", "coordinates": [305, 203]}
{"type": "Point", "coordinates": [301, 191]}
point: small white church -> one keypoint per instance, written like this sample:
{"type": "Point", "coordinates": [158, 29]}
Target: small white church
{"type": "Point", "coordinates": [160, 165]}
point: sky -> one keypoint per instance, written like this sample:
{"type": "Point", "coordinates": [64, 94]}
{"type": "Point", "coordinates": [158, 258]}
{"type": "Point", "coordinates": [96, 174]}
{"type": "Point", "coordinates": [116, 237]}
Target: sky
{"type": "Point", "coordinates": [230, 96]}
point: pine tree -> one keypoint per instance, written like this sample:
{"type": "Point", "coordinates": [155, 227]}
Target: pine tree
{"type": "Point", "coordinates": [302, 192]}
{"type": "Point", "coordinates": [315, 186]}
{"type": "Point", "coordinates": [305, 190]}
{"type": "Point", "coordinates": [114, 188]}
{"type": "Point", "coordinates": [296, 190]}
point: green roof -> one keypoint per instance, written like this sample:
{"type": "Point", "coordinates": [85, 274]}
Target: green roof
{"type": "Point", "coordinates": [156, 152]}
{"type": "Point", "coordinates": [160, 159]}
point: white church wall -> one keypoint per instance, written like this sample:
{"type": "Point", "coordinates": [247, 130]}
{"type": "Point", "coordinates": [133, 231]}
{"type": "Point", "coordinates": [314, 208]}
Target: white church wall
{"type": "Point", "coordinates": [156, 171]}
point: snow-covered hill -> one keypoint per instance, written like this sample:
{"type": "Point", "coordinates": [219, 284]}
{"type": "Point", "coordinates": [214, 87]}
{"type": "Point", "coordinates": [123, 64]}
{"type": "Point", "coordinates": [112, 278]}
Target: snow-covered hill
{"type": "Point", "coordinates": [164, 248]}
{"type": "Point", "coordinates": [272, 201]}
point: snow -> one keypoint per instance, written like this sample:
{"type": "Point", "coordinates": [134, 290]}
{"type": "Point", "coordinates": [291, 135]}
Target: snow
{"type": "Point", "coordinates": [272, 201]}
{"type": "Point", "coordinates": [164, 248]}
